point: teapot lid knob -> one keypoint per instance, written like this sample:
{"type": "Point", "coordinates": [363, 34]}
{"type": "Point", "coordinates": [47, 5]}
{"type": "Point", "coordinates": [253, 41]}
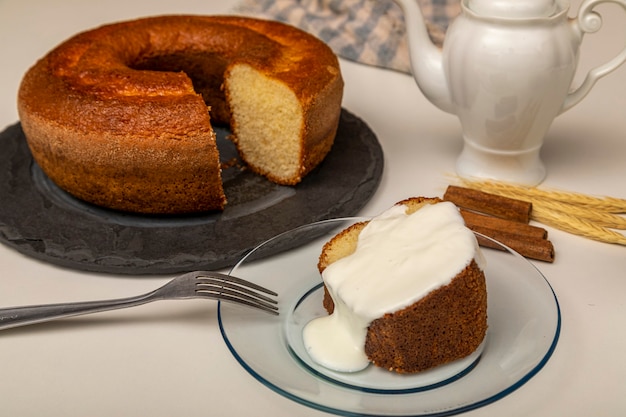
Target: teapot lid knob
{"type": "Point", "coordinates": [522, 9]}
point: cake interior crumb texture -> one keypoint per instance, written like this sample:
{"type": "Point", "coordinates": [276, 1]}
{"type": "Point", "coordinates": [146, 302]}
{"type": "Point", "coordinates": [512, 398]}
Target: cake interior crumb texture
{"type": "Point", "coordinates": [264, 109]}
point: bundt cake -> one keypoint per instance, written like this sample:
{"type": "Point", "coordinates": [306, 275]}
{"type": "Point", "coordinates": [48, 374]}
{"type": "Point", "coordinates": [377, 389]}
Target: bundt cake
{"type": "Point", "coordinates": [119, 116]}
{"type": "Point", "coordinates": [404, 291]}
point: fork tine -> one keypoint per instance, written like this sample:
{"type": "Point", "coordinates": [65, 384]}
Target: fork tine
{"type": "Point", "coordinates": [223, 297]}
{"type": "Point", "coordinates": [228, 288]}
{"type": "Point", "coordinates": [230, 278]}
{"type": "Point", "coordinates": [234, 297]}
{"type": "Point", "coordinates": [234, 292]}
{"type": "Point", "coordinates": [208, 284]}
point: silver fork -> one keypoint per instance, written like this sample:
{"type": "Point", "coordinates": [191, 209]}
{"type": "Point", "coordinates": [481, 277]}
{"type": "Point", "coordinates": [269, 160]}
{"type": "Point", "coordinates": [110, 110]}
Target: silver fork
{"type": "Point", "coordinates": [197, 284]}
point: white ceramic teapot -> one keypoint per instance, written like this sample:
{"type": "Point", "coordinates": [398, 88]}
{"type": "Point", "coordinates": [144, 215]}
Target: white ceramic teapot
{"type": "Point", "coordinates": [505, 70]}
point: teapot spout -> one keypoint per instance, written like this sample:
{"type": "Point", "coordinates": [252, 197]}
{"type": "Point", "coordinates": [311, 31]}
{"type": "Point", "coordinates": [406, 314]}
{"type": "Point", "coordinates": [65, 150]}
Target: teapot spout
{"type": "Point", "coordinates": [426, 58]}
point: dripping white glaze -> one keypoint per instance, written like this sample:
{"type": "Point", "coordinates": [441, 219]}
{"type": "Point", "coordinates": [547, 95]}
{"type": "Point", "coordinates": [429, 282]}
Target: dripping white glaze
{"type": "Point", "coordinates": [399, 259]}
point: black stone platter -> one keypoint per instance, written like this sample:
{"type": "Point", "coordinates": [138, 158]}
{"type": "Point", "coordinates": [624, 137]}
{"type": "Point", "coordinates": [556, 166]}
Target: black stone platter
{"type": "Point", "coordinates": [42, 221]}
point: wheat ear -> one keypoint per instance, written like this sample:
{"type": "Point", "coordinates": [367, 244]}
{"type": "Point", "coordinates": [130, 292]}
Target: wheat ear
{"type": "Point", "coordinates": [600, 218]}
{"type": "Point", "coordinates": [572, 224]}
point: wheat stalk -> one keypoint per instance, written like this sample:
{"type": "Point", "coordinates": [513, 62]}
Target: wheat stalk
{"type": "Point", "coordinates": [572, 224]}
{"type": "Point", "coordinates": [606, 204]}
{"type": "Point", "coordinates": [600, 218]}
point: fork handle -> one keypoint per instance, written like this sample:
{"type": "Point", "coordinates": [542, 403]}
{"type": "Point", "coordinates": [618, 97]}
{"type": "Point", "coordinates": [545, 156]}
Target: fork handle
{"type": "Point", "coordinates": [22, 316]}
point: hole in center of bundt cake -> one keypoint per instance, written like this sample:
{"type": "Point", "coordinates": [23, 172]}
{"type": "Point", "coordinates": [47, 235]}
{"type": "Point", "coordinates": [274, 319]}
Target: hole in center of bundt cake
{"type": "Point", "coordinates": [206, 72]}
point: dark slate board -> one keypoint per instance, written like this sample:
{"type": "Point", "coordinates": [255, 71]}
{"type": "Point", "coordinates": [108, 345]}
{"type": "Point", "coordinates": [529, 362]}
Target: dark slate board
{"type": "Point", "coordinates": [42, 221]}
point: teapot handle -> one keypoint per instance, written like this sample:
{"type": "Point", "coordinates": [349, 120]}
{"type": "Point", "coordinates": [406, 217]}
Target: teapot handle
{"type": "Point", "coordinates": [589, 21]}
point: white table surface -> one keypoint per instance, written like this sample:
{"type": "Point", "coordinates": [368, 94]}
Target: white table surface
{"type": "Point", "coordinates": [168, 359]}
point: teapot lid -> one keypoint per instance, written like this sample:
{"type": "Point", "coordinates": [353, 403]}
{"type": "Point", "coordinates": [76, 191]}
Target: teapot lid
{"type": "Point", "coordinates": [522, 9]}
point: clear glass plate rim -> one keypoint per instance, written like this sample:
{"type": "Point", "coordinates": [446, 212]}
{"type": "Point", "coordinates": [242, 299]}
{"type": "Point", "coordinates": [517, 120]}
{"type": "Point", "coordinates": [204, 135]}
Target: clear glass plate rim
{"type": "Point", "coordinates": [449, 412]}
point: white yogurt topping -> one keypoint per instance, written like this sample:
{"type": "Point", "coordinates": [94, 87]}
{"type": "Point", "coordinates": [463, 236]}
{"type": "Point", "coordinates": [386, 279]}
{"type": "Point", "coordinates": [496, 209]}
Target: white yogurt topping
{"type": "Point", "coordinates": [399, 259]}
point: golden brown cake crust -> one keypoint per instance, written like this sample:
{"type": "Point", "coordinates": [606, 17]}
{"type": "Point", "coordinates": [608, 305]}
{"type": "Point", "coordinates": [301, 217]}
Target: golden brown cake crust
{"type": "Point", "coordinates": [448, 324]}
{"type": "Point", "coordinates": [109, 130]}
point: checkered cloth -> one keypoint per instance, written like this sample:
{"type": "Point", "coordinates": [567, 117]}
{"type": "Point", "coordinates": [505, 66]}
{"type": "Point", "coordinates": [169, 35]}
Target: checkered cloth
{"type": "Point", "coordinates": [367, 31]}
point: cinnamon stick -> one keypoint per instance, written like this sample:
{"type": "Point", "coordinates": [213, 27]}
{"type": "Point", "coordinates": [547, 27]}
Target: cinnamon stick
{"type": "Point", "coordinates": [528, 247]}
{"type": "Point", "coordinates": [495, 205]}
{"type": "Point", "coordinates": [493, 223]}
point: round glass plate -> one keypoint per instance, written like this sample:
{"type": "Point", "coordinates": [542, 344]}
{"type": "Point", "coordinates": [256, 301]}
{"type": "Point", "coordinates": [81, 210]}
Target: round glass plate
{"type": "Point", "coordinates": [524, 324]}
